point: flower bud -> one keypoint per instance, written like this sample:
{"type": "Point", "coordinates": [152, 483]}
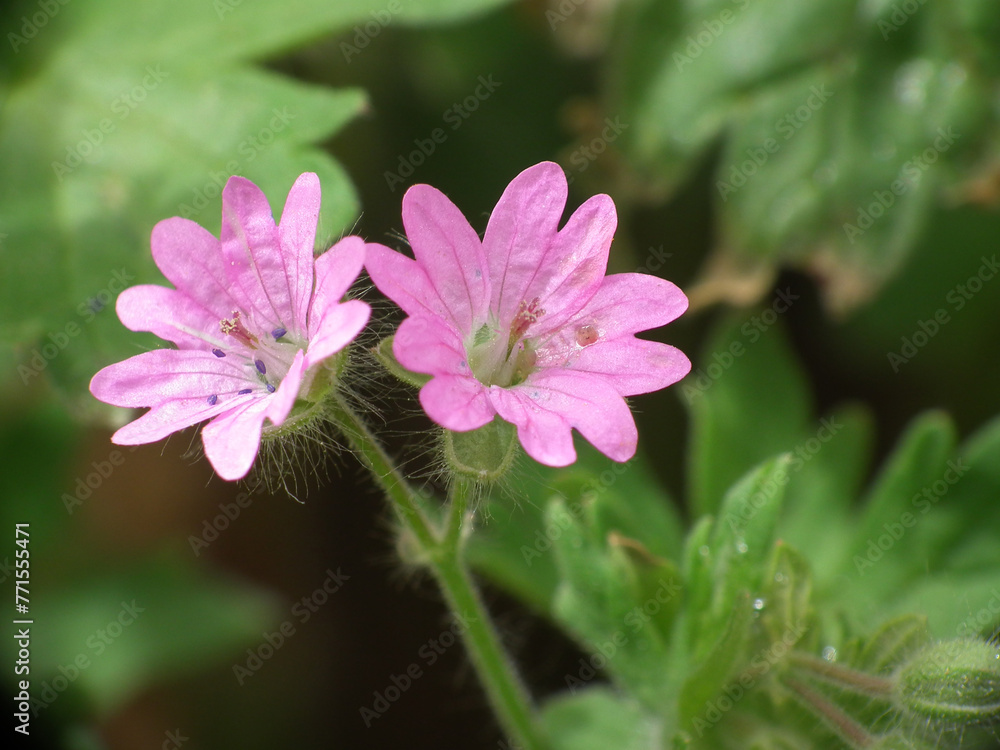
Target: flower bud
{"type": "Point", "coordinates": [957, 682]}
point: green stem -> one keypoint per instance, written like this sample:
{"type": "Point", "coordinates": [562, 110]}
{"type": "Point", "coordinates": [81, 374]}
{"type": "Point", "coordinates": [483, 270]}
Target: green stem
{"type": "Point", "coordinates": [841, 676]}
{"type": "Point", "coordinates": [371, 453]}
{"type": "Point", "coordinates": [443, 548]}
{"type": "Point", "coordinates": [849, 730]}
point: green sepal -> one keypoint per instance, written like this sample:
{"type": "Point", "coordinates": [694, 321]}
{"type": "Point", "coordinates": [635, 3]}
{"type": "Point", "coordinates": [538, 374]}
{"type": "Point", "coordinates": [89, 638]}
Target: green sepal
{"type": "Point", "coordinates": [484, 454]}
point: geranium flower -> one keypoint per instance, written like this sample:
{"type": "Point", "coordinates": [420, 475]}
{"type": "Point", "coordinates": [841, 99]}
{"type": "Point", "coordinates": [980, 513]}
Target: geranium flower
{"type": "Point", "coordinates": [524, 323]}
{"type": "Point", "coordinates": [253, 315]}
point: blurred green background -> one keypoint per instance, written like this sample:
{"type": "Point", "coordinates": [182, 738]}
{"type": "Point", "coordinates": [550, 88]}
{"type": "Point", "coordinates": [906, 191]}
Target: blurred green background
{"type": "Point", "coordinates": [839, 154]}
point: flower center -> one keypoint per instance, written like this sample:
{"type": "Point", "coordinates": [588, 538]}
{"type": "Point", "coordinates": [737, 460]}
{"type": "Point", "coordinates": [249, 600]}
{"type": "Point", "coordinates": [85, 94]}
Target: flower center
{"type": "Point", "coordinates": [234, 327]}
{"type": "Point", "coordinates": [505, 360]}
{"type": "Point", "coordinates": [266, 359]}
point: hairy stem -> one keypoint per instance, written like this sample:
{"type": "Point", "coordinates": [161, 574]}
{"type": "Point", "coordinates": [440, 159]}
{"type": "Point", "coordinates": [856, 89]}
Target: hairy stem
{"type": "Point", "coordinates": [443, 549]}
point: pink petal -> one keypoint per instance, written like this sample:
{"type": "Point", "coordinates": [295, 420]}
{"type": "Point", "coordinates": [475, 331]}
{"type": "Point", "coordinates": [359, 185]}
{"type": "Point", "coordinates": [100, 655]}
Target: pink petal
{"type": "Point", "coordinates": [574, 266]}
{"type": "Point", "coordinates": [173, 416]}
{"type": "Point", "coordinates": [281, 402]}
{"type": "Point", "coordinates": [456, 403]}
{"type": "Point", "coordinates": [254, 258]}
{"type": "Point", "coordinates": [583, 401]}
{"type": "Point", "coordinates": [630, 302]}
{"type": "Point", "coordinates": [545, 435]}
{"type": "Point", "coordinates": [336, 270]}
{"type": "Point", "coordinates": [631, 365]}
{"type": "Point", "coordinates": [402, 280]}
{"type": "Point", "coordinates": [449, 250]}
{"type": "Point", "coordinates": [337, 329]}
{"type": "Point", "coordinates": [232, 439]}
{"type": "Point", "coordinates": [170, 314]}
{"type": "Point", "coordinates": [297, 234]}
{"type": "Point", "coordinates": [161, 375]}
{"type": "Point", "coordinates": [191, 259]}
{"type": "Point", "coordinates": [430, 346]}
{"type": "Point", "coordinates": [520, 230]}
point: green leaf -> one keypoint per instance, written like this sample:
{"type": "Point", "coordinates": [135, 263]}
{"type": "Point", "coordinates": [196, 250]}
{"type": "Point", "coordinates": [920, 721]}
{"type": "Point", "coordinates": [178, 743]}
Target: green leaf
{"type": "Point", "coordinates": [893, 644]}
{"type": "Point", "coordinates": [840, 125]}
{"type": "Point", "coordinates": [620, 616]}
{"type": "Point", "coordinates": [120, 630]}
{"type": "Point", "coordinates": [513, 547]}
{"type": "Point", "coordinates": [895, 512]}
{"type": "Point", "coordinates": [718, 663]}
{"type": "Point", "coordinates": [742, 539]}
{"type": "Point", "coordinates": [230, 30]}
{"type": "Point", "coordinates": [786, 593]}
{"type": "Point", "coordinates": [123, 114]}
{"type": "Point", "coordinates": [826, 474]}
{"type": "Point", "coordinates": [685, 68]}
{"type": "Point", "coordinates": [597, 719]}
{"type": "Point", "coordinates": [748, 401]}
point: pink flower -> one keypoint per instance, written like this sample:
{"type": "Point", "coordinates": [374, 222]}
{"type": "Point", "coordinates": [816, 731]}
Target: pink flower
{"type": "Point", "coordinates": [524, 323]}
{"type": "Point", "coordinates": [253, 316]}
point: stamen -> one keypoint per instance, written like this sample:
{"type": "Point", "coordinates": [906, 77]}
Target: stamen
{"type": "Point", "coordinates": [270, 388]}
{"type": "Point", "coordinates": [244, 392]}
{"type": "Point", "coordinates": [527, 313]}
{"type": "Point", "coordinates": [278, 333]}
{"type": "Point", "coordinates": [219, 353]}
{"type": "Point", "coordinates": [213, 400]}
{"type": "Point", "coordinates": [259, 364]}
{"type": "Point", "coordinates": [234, 327]}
